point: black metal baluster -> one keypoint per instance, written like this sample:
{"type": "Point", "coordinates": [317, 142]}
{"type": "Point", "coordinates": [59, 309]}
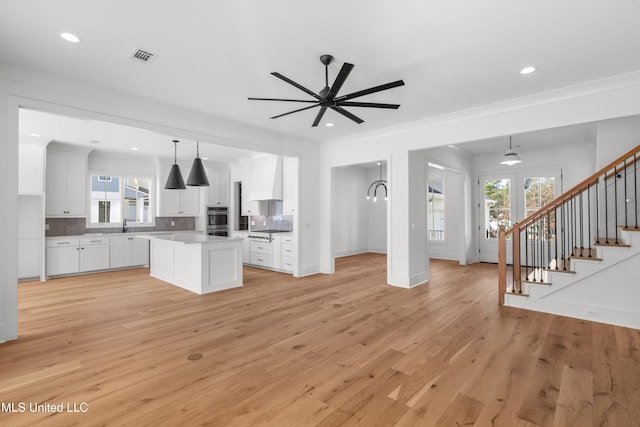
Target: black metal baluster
{"type": "Point", "coordinates": [581, 225]}
{"type": "Point", "coordinates": [574, 225]}
{"type": "Point", "coordinates": [563, 234]}
{"type": "Point", "coordinates": [626, 220]}
{"type": "Point", "coordinates": [606, 211]}
{"type": "Point", "coordinates": [615, 200]}
{"type": "Point", "coordinates": [635, 185]}
{"type": "Point", "coordinates": [526, 253]}
{"type": "Point", "coordinates": [548, 234]}
{"type": "Point", "coordinates": [589, 216]}
{"type": "Point", "coordinates": [597, 212]}
{"type": "Point", "coordinates": [555, 223]}
{"type": "Point", "coordinates": [541, 244]}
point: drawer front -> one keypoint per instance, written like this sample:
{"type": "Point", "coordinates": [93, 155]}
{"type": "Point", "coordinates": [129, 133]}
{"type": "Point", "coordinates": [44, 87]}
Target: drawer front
{"type": "Point", "coordinates": [287, 240]}
{"type": "Point", "coordinates": [261, 248]}
{"type": "Point", "coordinates": [287, 250]}
{"type": "Point", "coordinates": [287, 264]}
{"type": "Point", "coordinates": [86, 241]}
{"type": "Point", "coordinates": [61, 243]}
{"type": "Point", "coordinates": [261, 260]}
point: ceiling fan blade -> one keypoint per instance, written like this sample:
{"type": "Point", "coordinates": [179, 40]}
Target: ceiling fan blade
{"type": "Point", "coordinates": [368, 104]}
{"type": "Point", "coordinates": [347, 114]}
{"type": "Point", "coordinates": [294, 111]}
{"type": "Point", "coordinates": [370, 90]}
{"type": "Point", "coordinates": [299, 86]}
{"type": "Point", "coordinates": [282, 99]}
{"type": "Point", "coordinates": [319, 116]}
{"type": "Point", "coordinates": [339, 81]}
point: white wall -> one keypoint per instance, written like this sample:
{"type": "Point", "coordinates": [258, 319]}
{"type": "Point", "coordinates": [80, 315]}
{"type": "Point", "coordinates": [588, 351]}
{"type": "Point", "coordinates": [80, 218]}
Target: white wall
{"type": "Point", "coordinates": [616, 137]}
{"type": "Point", "coordinates": [351, 225]}
{"type": "Point", "coordinates": [121, 163]}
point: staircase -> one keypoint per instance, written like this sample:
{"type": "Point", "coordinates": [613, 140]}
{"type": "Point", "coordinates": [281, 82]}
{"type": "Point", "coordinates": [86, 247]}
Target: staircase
{"type": "Point", "coordinates": [579, 256]}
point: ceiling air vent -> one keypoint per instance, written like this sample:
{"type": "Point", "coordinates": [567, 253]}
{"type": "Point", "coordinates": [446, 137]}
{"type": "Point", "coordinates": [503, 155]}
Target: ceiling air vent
{"type": "Point", "coordinates": [143, 55]}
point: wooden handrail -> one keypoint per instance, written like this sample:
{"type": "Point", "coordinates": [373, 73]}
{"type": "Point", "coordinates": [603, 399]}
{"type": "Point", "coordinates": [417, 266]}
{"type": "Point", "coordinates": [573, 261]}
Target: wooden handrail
{"type": "Point", "coordinates": [567, 197]}
{"type": "Point", "coordinates": [570, 194]}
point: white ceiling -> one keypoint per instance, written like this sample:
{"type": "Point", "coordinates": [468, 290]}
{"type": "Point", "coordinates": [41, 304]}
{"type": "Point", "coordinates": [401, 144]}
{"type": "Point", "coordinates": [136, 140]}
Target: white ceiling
{"type": "Point", "coordinates": [103, 136]}
{"type": "Point", "coordinates": [212, 55]}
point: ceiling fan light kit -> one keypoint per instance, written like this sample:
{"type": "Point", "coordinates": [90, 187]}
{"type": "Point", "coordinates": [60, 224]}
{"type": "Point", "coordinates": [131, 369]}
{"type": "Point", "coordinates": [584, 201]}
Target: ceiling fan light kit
{"type": "Point", "coordinates": [327, 97]}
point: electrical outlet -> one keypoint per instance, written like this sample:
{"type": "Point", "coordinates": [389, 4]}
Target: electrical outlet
{"type": "Point", "coordinates": [46, 226]}
{"type": "Point", "coordinates": [173, 223]}
{"type": "Point", "coordinates": [591, 313]}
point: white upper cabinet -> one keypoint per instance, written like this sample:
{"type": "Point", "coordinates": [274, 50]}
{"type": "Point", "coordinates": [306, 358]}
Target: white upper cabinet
{"type": "Point", "coordinates": [218, 190]}
{"type": "Point", "coordinates": [289, 185]}
{"type": "Point", "coordinates": [31, 168]}
{"type": "Point", "coordinates": [177, 202]}
{"type": "Point", "coordinates": [66, 184]}
{"type": "Point", "coordinates": [265, 182]}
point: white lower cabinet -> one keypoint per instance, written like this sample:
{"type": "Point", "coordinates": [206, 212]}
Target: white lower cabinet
{"type": "Point", "coordinates": [261, 254]}
{"type": "Point", "coordinates": [128, 251]}
{"type": "Point", "coordinates": [287, 250]}
{"type": "Point", "coordinates": [63, 256]}
{"type": "Point", "coordinates": [94, 254]}
{"type": "Point", "coordinates": [69, 256]}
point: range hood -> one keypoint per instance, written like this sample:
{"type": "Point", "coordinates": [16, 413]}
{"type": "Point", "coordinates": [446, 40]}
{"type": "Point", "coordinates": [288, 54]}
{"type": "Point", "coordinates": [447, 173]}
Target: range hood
{"type": "Point", "coordinates": [266, 178]}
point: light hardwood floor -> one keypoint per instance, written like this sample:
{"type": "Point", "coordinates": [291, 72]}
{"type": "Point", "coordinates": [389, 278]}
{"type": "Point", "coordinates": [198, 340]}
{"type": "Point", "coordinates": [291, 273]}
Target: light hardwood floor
{"type": "Point", "coordinates": [339, 350]}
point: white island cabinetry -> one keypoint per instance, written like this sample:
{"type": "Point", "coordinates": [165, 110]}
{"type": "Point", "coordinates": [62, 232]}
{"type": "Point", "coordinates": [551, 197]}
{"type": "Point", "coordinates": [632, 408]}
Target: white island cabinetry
{"type": "Point", "coordinates": [196, 262]}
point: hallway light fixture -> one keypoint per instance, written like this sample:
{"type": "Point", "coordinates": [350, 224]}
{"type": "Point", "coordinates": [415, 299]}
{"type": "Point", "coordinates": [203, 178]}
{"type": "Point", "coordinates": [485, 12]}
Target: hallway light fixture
{"type": "Point", "coordinates": [174, 180]}
{"type": "Point", "coordinates": [375, 184]}
{"type": "Point", "coordinates": [198, 175]}
{"type": "Point", "coordinates": [510, 157]}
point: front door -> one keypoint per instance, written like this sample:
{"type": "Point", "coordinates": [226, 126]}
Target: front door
{"type": "Point", "coordinates": [508, 198]}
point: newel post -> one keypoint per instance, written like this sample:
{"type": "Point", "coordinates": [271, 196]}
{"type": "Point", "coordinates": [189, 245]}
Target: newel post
{"type": "Point", "coordinates": [502, 264]}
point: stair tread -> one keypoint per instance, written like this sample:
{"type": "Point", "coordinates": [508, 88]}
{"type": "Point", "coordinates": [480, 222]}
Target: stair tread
{"type": "Point", "coordinates": [518, 294]}
{"type": "Point", "coordinates": [612, 244]}
{"type": "Point", "coordinates": [586, 258]}
{"type": "Point", "coordinates": [536, 283]}
{"type": "Point", "coordinates": [629, 228]}
{"type": "Point", "coordinates": [560, 271]}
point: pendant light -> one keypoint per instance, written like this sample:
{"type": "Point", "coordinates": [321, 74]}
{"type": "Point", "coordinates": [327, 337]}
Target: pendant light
{"type": "Point", "coordinates": [510, 157]}
{"type": "Point", "coordinates": [175, 181]}
{"type": "Point", "coordinates": [375, 184]}
{"type": "Point", "coordinates": [198, 175]}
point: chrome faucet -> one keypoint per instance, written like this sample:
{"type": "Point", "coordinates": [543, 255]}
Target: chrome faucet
{"type": "Point", "coordinates": [124, 225]}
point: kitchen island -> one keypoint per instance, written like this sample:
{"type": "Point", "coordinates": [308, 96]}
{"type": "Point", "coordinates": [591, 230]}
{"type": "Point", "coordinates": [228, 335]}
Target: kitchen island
{"type": "Point", "coordinates": [195, 261]}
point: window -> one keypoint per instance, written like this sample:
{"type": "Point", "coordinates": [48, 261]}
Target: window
{"type": "Point", "coordinates": [435, 209]}
{"type": "Point", "coordinates": [497, 206]}
{"type": "Point", "coordinates": [114, 198]}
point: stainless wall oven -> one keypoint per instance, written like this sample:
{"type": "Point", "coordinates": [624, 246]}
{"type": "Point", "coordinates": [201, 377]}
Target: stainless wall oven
{"type": "Point", "coordinates": [218, 221]}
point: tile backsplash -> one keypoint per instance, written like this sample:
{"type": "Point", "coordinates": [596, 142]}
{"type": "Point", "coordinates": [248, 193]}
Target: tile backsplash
{"type": "Point", "coordinates": [272, 222]}
{"type": "Point", "coordinates": [77, 226]}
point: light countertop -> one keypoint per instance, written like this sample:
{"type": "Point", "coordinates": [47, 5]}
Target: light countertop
{"type": "Point", "coordinates": [188, 238]}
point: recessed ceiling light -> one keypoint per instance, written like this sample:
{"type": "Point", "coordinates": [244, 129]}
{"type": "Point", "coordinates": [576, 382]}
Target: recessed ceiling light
{"type": "Point", "coordinates": [71, 38]}
{"type": "Point", "coordinates": [134, 148]}
{"type": "Point", "coordinates": [329, 125]}
{"type": "Point", "coordinates": [34, 134]}
{"type": "Point", "coordinates": [205, 158]}
{"type": "Point", "coordinates": [527, 70]}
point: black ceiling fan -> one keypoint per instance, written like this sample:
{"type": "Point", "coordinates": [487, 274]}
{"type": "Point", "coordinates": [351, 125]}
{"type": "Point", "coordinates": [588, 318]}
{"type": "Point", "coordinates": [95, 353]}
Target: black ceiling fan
{"type": "Point", "coordinates": [327, 97]}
